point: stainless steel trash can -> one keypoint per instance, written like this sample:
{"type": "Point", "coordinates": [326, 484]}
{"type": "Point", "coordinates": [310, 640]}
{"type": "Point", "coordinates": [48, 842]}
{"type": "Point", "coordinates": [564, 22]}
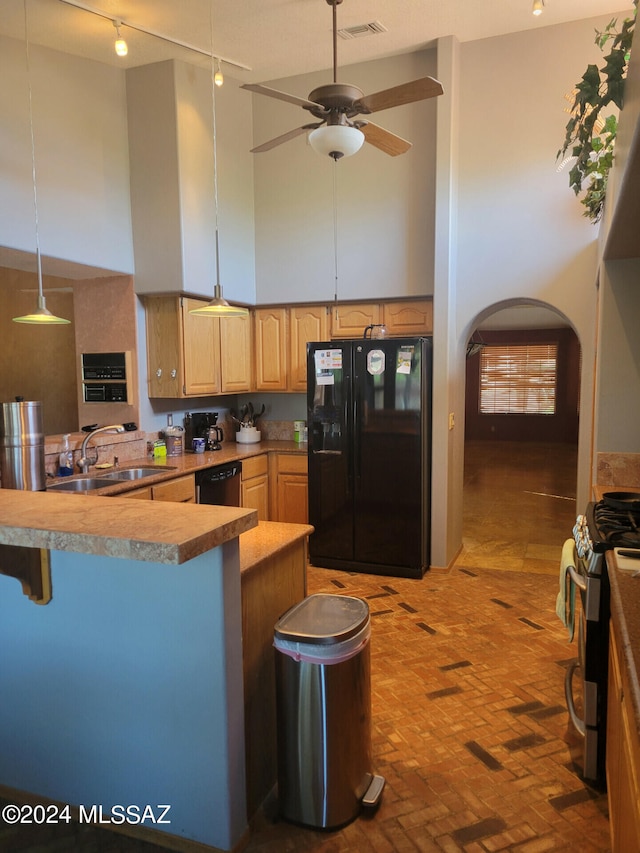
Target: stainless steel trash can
{"type": "Point", "coordinates": [323, 692]}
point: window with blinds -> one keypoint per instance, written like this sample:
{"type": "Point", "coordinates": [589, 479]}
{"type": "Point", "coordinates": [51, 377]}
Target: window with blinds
{"type": "Point", "coordinates": [518, 379]}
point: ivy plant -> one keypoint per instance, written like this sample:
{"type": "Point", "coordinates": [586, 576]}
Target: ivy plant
{"type": "Point", "coordinates": [590, 135]}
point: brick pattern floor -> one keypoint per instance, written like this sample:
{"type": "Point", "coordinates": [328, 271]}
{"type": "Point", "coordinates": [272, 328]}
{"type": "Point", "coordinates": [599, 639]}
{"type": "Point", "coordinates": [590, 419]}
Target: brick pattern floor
{"type": "Point", "coordinates": [469, 725]}
{"type": "Point", "coordinates": [470, 729]}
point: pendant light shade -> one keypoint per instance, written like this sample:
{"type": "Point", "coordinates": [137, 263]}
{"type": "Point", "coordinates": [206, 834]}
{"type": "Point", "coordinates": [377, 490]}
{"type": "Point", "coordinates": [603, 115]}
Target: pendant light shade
{"type": "Point", "coordinates": [41, 316]}
{"type": "Point", "coordinates": [336, 140]}
{"type": "Point", "coordinates": [218, 307]}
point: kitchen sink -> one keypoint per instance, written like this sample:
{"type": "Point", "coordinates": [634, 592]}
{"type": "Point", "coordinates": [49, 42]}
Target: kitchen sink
{"type": "Point", "coordinates": [136, 473]}
{"type": "Point", "coordinates": [81, 484]}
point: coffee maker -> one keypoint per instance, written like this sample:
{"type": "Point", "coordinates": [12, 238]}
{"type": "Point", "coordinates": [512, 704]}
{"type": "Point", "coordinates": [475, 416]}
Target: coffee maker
{"type": "Point", "coordinates": [203, 425]}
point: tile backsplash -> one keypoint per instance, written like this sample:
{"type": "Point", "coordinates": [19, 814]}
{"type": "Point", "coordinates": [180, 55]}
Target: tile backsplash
{"type": "Point", "coordinates": [618, 469]}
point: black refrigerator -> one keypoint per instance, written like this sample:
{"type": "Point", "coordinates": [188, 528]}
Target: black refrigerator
{"type": "Point", "coordinates": [369, 420]}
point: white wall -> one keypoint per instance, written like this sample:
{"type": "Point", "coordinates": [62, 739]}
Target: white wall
{"type": "Point", "coordinates": [385, 204]}
{"type": "Point", "coordinates": [521, 235]}
{"type": "Point", "coordinates": [82, 165]}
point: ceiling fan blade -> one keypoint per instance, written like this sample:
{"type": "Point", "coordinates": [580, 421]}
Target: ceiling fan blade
{"type": "Point", "coordinates": [291, 134]}
{"type": "Point", "coordinates": [406, 93]}
{"type": "Point", "coordinates": [280, 96]}
{"type": "Point", "coordinates": [384, 139]}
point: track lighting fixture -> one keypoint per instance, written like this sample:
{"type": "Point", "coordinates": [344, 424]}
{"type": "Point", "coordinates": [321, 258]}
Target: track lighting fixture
{"type": "Point", "coordinates": [218, 77]}
{"type": "Point", "coordinates": [119, 22]}
{"type": "Point", "coordinates": [538, 7]}
{"type": "Point", "coordinates": [120, 45]}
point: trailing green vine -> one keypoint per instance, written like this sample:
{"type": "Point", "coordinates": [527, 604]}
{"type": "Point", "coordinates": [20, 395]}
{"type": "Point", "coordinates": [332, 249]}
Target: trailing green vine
{"type": "Point", "coordinates": [590, 136]}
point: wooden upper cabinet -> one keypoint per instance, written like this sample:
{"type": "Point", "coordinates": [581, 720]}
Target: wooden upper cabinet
{"type": "Point", "coordinates": [350, 321]}
{"type": "Point", "coordinates": [409, 317]}
{"type": "Point", "coordinates": [192, 356]}
{"type": "Point", "coordinates": [235, 354]}
{"type": "Point", "coordinates": [181, 349]}
{"type": "Point", "coordinates": [306, 323]}
{"type": "Point", "coordinates": [270, 338]}
{"type": "Point", "coordinates": [201, 349]}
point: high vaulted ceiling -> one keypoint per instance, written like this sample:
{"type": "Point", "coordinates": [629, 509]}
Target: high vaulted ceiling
{"type": "Point", "coordinates": [275, 38]}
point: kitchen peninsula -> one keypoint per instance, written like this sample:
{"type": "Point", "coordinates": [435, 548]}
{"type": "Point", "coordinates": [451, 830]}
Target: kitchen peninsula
{"type": "Point", "coordinates": [126, 689]}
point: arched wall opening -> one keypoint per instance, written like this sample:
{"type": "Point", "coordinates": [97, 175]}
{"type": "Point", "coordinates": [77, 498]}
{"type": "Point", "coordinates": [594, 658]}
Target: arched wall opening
{"type": "Point", "coordinates": [520, 465]}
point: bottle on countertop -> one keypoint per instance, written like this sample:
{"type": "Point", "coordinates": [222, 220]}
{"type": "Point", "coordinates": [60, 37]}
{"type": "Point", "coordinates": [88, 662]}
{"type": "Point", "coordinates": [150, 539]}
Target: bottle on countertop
{"type": "Point", "coordinates": [173, 438]}
{"type": "Point", "coordinates": [188, 430]}
{"type": "Point", "coordinates": [65, 463]}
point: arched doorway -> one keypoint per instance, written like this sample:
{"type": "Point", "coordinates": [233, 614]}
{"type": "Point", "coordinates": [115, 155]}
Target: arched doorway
{"type": "Point", "coordinates": [522, 393]}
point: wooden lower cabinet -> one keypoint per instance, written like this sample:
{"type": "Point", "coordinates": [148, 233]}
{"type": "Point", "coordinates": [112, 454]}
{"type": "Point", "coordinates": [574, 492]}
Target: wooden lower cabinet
{"type": "Point", "coordinates": [623, 754]}
{"type": "Point", "coordinates": [254, 486]}
{"type": "Point", "coordinates": [289, 488]}
{"type": "Point", "coordinates": [180, 490]}
{"type": "Point", "coordinates": [269, 589]}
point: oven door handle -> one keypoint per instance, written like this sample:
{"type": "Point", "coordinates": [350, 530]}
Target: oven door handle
{"type": "Point", "coordinates": [577, 578]}
{"type": "Point", "coordinates": [568, 692]}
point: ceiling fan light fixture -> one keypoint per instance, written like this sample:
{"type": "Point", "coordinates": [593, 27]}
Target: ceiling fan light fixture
{"type": "Point", "coordinates": [336, 140]}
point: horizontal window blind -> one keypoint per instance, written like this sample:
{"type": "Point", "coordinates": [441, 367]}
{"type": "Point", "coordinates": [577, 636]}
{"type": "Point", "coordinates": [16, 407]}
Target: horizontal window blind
{"type": "Point", "coordinates": [518, 379]}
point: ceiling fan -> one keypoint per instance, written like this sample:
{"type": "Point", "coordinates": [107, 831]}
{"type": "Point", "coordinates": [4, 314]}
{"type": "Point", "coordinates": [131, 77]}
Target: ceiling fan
{"type": "Point", "coordinates": [339, 133]}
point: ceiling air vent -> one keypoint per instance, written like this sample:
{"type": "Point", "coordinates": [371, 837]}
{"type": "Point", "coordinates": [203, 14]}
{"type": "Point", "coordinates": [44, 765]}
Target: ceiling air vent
{"type": "Point", "coordinates": [360, 30]}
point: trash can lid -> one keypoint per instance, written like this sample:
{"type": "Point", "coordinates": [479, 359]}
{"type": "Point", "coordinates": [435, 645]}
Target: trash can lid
{"type": "Point", "coordinates": [323, 619]}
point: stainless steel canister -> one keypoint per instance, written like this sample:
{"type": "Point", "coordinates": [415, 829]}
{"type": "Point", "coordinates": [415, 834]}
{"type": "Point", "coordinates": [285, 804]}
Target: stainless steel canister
{"type": "Point", "coordinates": [22, 446]}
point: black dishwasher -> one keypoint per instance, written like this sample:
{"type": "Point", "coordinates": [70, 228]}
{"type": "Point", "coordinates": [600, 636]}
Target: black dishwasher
{"type": "Point", "coordinates": [219, 485]}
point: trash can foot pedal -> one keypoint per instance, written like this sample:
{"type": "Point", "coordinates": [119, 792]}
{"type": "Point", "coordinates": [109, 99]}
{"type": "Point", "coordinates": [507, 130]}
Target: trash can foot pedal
{"type": "Point", "coordinates": [373, 792]}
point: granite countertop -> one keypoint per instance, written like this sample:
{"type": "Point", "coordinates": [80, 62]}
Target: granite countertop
{"type": "Point", "coordinates": [267, 539]}
{"type": "Point", "coordinates": [170, 467]}
{"type": "Point", "coordinates": [118, 527]}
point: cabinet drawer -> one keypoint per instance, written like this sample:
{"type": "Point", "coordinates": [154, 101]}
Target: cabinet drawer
{"type": "Point", "coordinates": [290, 463]}
{"type": "Point", "coordinates": [254, 466]}
{"type": "Point", "coordinates": [182, 489]}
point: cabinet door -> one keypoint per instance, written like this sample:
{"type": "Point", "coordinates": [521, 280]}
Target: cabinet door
{"type": "Point", "coordinates": [182, 490]}
{"type": "Point", "coordinates": [291, 494]}
{"type": "Point", "coordinates": [235, 354]}
{"type": "Point", "coordinates": [410, 317]}
{"type": "Point", "coordinates": [255, 485]}
{"type": "Point", "coordinates": [623, 755]}
{"type": "Point", "coordinates": [306, 323]}
{"type": "Point", "coordinates": [201, 348]}
{"type": "Point", "coordinates": [350, 321]}
{"type": "Point", "coordinates": [164, 358]}
{"type": "Point", "coordinates": [255, 495]}
{"type": "Point", "coordinates": [270, 325]}
{"type": "Point", "coordinates": [293, 499]}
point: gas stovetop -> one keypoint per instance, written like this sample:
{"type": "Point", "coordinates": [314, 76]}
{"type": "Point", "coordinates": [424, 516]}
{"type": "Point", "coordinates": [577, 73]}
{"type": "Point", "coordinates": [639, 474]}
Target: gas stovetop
{"type": "Point", "coordinates": [613, 526]}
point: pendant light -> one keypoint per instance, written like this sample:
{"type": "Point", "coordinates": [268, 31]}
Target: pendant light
{"type": "Point", "coordinates": [218, 307]}
{"type": "Point", "coordinates": [42, 315]}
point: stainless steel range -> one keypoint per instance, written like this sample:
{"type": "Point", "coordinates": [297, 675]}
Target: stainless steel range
{"type": "Point", "coordinates": [613, 522]}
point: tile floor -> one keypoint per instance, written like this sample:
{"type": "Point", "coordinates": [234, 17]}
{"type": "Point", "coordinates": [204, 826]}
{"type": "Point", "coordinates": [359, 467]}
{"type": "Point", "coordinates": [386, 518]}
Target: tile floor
{"type": "Point", "coordinates": [469, 725]}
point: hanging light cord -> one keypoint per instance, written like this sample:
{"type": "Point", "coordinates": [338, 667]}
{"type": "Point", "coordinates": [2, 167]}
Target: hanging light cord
{"type": "Point", "coordinates": [33, 162]}
{"type": "Point", "coordinates": [215, 146]}
{"type": "Point", "coordinates": [335, 232]}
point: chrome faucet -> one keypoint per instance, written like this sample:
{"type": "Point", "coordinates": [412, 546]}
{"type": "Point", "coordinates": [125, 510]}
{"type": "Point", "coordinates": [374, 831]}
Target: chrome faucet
{"type": "Point", "coordinates": [83, 462]}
